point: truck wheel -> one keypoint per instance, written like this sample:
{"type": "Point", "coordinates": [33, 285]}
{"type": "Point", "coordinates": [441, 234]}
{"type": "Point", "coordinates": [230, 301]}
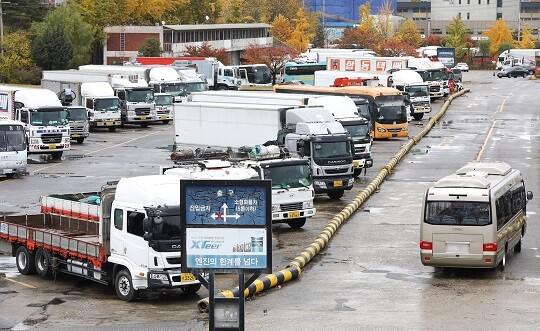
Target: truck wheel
{"type": "Point", "coordinates": [222, 87]}
{"type": "Point", "coordinates": [25, 261]}
{"type": "Point", "coordinates": [165, 121]}
{"type": "Point", "coordinates": [144, 124]}
{"type": "Point", "coordinates": [297, 223]}
{"type": "Point", "coordinates": [357, 172]}
{"type": "Point", "coordinates": [124, 286]}
{"type": "Point", "coordinates": [190, 289]}
{"type": "Point", "coordinates": [57, 155]}
{"type": "Point", "coordinates": [43, 263]}
{"type": "Point", "coordinates": [112, 128]}
{"type": "Point", "coordinates": [80, 140]}
{"type": "Point", "coordinates": [418, 116]}
{"type": "Point", "coordinates": [335, 195]}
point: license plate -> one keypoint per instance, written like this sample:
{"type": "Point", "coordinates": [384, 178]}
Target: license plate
{"type": "Point", "coordinates": [356, 163]}
{"type": "Point", "coordinates": [187, 277]}
{"type": "Point", "coordinates": [143, 117]}
{"type": "Point", "coordinates": [108, 123]}
{"type": "Point", "coordinates": [163, 118]}
{"type": "Point", "coordinates": [75, 135]}
{"type": "Point", "coordinates": [338, 183]}
{"type": "Point", "coordinates": [394, 135]}
{"type": "Point", "coordinates": [457, 248]}
{"type": "Point", "coordinates": [294, 214]}
{"type": "Point", "coordinates": [52, 146]}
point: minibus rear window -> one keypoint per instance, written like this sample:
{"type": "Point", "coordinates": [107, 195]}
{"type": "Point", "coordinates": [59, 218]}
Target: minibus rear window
{"type": "Point", "coordinates": [469, 213]}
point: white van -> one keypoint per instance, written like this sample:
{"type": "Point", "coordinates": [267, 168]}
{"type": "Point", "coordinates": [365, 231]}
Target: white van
{"type": "Point", "coordinates": [474, 217]}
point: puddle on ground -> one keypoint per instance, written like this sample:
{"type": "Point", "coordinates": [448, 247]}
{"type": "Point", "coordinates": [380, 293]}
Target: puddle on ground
{"type": "Point", "coordinates": [373, 210]}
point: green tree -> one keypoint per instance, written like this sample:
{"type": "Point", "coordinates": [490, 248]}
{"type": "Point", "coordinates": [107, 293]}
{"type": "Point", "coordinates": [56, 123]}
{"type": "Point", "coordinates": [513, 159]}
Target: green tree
{"type": "Point", "coordinates": [457, 37]}
{"type": "Point", "coordinates": [499, 33]}
{"type": "Point", "coordinates": [319, 40]}
{"type": "Point", "coordinates": [20, 14]}
{"type": "Point", "coordinates": [408, 33]}
{"type": "Point", "coordinates": [80, 34]}
{"type": "Point", "coordinates": [483, 46]}
{"type": "Point", "coordinates": [52, 50]}
{"type": "Point", "coordinates": [150, 47]}
{"type": "Point", "coordinates": [234, 12]}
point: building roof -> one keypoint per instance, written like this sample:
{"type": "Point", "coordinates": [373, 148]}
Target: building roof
{"type": "Point", "coordinates": [190, 27]}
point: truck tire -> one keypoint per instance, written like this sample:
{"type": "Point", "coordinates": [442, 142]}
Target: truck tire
{"type": "Point", "coordinates": [80, 140]}
{"type": "Point", "coordinates": [222, 87]}
{"type": "Point", "coordinates": [357, 172]}
{"type": "Point", "coordinates": [25, 260]}
{"type": "Point", "coordinates": [57, 155]}
{"type": "Point", "coordinates": [144, 124]}
{"type": "Point", "coordinates": [112, 128]}
{"type": "Point", "coordinates": [43, 263]}
{"type": "Point", "coordinates": [297, 223]}
{"type": "Point", "coordinates": [335, 195]}
{"type": "Point", "coordinates": [165, 121]}
{"type": "Point", "coordinates": [418, 116]}
{"type": "Point", "coordinates": [123, 284]}
{"type": "Point", "coordinates": [190, 289]}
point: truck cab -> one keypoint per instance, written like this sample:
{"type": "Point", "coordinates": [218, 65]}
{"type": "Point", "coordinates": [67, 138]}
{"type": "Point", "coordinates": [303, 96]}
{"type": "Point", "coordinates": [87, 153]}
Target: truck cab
{"type": "Point", "coordinates": [78, 123]}
{"type": "Point", "coordinates": [136, 100]}
{"type": "Point", "coordinates": [313, 134]}
{"type": "Point", "coordinates": [411, 83]}
{"type": "Point", "coordinates": [164, 106]}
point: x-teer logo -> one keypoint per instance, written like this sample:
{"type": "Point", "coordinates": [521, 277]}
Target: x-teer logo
{"type": "Point", "coordinates": [204, 244]}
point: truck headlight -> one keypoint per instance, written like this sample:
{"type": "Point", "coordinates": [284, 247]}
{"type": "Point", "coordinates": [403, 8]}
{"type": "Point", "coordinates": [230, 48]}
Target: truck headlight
{"type": "Point", "coordinates": [131, 113]}
{"type": "Point", "coordinates": [307, 204]}
{"type": "Point", "coordinates": [351, 181]}
{"type": "Point", "coordinates": [276, 208]}
{"type": "Point", "coordinates": [34, 141]}
{"type": "Point", "coordinates": [382, 130]}
{"type": "Point", "coordinates": [164, 278]}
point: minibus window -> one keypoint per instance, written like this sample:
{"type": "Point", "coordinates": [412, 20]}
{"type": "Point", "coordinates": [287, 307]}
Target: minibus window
{"type": "Point", "coordinates": [457, 213]}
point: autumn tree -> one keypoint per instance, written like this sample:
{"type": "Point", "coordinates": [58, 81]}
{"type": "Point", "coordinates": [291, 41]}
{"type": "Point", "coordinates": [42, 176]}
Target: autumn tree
{"type": "Point", "coordinates": [498, 33]}
{"type": "Point", "coordinates": [395, 47]}
{"type": "Point", "coordinates": [300, 36]}
{"type": "Point", "coordinates": [205, 50]}
{"type": "Point", "coordinates": [16, 65]}
{"type": "Point", "coordinates": [408, 33]}
{"type": "Point", "coordinates": [527, 40]}
{"type": "Point", "coordinates": [433, 40]}
{"type": "Point", "coordinates": [273, 56]}
{"type": "Point", "coordinates": [384, 21]}
{"type": "Point", "coordinates": [281, 28]}
{"type": "Point", "coordinates": [357, 38]}
{"type": "Point", "coordinates": [367, 21]}
{"type": "Point", "coordinates": [234, 12]}
{"type": "Point", "coordinates": [150, 47]}
{"type": "Point", "coordinates": [457, 36]}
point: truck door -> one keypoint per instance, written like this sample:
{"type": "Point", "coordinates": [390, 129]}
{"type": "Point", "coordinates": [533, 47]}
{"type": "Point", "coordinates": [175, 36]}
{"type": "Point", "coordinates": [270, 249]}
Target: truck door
{"type": "Point", "coordinates": [117, 234]}
{"type": "Point", "coordinates": [135, 247]}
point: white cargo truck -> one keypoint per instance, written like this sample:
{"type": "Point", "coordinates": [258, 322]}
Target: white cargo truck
{"type": "Point", "coordinates": [97, 97]}
{"type": "Point", "coordinates": [45, 119]}
{"type": "Point", "coordinates": [343, 108]}
{"type": "Point", "coordinates": [127, 235]}
{"type": "Point", "coordinates": [235, 125]}
{"type": "Point", "coordinates": [410, 82]}
{"type": "Point", "coordinates": [218, 76]}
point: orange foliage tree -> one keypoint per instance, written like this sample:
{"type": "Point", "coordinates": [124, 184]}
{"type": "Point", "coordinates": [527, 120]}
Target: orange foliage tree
{"type": "Point", "coordinates": [205, 50]}
{"type": "Point", "coordinates": [273, 56]}
{"type": "Point", "coordinates": [395, 47]}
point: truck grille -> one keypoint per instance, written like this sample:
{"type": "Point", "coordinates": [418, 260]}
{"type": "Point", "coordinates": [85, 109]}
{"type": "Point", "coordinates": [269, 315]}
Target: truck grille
{"type": "Point", "coordinates": [394, 130]}
{"type": "Point", "coordinates": [51, 138]}
{"type": "Point", "coordinates": [434, 88]}
{"type": "Point", "coordinates": [142, 111]}
{"type": "Point", "coordinates": [291, 206]}
{"type": "Point", "coordinates": [360, 149]}
{"type": "Point", "coordinates": [336, 171]}
{"type": "Point", "coordinates": [174, 260]}
{"type": "Point", "coordinates": [76, 129]}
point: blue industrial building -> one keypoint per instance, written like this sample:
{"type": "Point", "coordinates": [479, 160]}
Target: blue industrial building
{"type": "Point", "coordinates": [344, 10]}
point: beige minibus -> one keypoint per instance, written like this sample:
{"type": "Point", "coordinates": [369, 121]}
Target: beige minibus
{"type": "Point", "coordinates": [474, 217]}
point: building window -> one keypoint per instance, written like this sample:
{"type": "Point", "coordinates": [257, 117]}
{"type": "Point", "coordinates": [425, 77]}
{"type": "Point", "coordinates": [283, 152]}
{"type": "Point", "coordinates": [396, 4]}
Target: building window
{"type": "Point", "coordinates": [468, 2]}
{"type": "Point", "coordinates": [479, 2]}
{"type": "Point", "coordinates": [468, 16]}
{"type": "Point", "coordinates": [459, 2]}
{"type": "Point", "coordinates": [488, 2]}
{"type": "Point", "coordinates": [459, 15]}
{"type": "Point", "coordinates": [499, 15]}
{"type": "Point", "coordinates": [499, 5]}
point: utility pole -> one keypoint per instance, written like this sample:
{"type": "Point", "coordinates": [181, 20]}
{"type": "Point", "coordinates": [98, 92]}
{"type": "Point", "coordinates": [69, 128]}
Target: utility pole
{"type": "Point", "coordinates": [2, 26]}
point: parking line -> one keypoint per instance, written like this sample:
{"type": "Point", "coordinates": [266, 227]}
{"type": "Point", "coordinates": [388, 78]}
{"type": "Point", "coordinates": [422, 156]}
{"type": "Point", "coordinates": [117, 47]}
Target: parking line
{"type": "Point", "coordinates": [500, 108]}
{"type": "Point", "coordinates": [17, 282]}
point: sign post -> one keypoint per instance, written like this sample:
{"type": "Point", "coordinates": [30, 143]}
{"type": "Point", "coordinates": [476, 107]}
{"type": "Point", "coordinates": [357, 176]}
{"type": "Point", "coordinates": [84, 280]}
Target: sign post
{"type": "Point", "coordinates": [226, 229]}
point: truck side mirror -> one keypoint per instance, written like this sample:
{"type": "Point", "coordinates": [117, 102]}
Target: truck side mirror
{"type": "Point", "coordinates": [529, 195]}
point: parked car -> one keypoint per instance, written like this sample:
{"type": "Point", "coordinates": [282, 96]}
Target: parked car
{"type": "Point", "coordinates": [462, 66]}
{"type": "Point", "coordinates": [529, 69]}
{"type": "Point", "coordinates": [458, 76]}
{"type": "Point", "coordinates": [517, 71]}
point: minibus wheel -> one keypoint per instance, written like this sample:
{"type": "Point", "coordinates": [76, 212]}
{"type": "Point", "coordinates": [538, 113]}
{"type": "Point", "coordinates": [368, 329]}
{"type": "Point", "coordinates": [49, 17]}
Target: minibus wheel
{"type": "Point", "coordinates": [503, 261]}
{"type": "Point", "coordinates": [517, 248]}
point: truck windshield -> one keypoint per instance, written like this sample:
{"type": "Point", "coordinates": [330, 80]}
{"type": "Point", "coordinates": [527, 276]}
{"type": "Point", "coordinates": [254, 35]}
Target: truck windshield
{"type": "Point", "coordinates": [418, 91]}
{"type": "Point", "coordinates": [229, 73]}
{"type": "Point", "coordinates": [258, 74]}
{"type": "Point", "coordinates": [457, 213]}
{"type": "Point", "coordinates": [288, 176]}
{"type": "Point", "coordinates": [391, 109]}
{"type": "Point", "coordinates": [174, 89]}
{"type": "Point", "coordinates": [431, 75]}
{"type": "Point", "coordinates": [107, 104]}
{"type": "Point", "coordinates": [332, 149]}
{"type": "Point", "coordinates": [77, 114]}
{"type": "Point", "coordinates": [196, 87]}
{"type": "Point", "coordinates": [363, 110]}
{"type": "Point", "coordinates": [143, 96]}
{"type": "Point", "coordinates": [164, 100]}
{"type": "Point", "coordinates": [49, 117]}
{"type": "Point", "coordinates": [170, 228]}
{"type": "Point", "coordinates": [358, 132]}
{"type": "Point", "coordinates": [12, 138]}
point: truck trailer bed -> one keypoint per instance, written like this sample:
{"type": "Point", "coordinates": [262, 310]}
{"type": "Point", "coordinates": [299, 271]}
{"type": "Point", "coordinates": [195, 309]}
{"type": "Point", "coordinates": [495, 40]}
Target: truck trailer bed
{"type": "Point", "coordinates": [66, 236]}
